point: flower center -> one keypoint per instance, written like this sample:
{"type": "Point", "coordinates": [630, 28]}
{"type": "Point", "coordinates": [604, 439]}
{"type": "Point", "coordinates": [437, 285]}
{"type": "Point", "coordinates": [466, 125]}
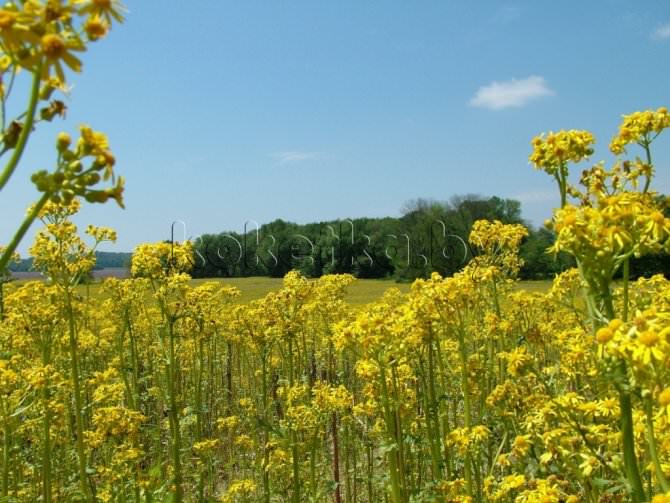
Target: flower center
{"type": "Point", "coordinates": [95, 29]}
{"type": "Point", "coordinates": [649, 338]}
{"type": "Point", "coordinates": [53, 46]}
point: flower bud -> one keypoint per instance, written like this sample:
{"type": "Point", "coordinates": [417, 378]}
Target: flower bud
{"type": "Point", "coordinates": [75, 166]}
{"type": "Point", "coordinates": [63, 141]}
{"type": "Point", "coordinates": [58, 178]}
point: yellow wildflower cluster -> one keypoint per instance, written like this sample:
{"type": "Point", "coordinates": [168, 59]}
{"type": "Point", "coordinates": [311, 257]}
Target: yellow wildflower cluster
{"type": "Point", "coordinates": [161, 259]}
{"type": "Point", "coordinates": [623, 225]}
{"type": "Point", "coordinates": [641, 128]}
{"type": "Point", "coordinates": [552, 152]}
{"type": "Point", "coordinates": [465, 389]}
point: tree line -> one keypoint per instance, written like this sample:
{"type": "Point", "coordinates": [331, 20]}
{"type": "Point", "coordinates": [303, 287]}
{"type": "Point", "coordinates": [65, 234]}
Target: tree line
{"type": "Point", "coordinates": [428, 236]}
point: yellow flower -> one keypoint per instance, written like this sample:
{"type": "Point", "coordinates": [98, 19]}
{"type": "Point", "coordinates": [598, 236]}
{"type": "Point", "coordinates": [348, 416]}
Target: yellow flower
{"type": "Point", "coordinates": [96, 28]}
{"type": "Point", "coordinates": [239, 489]}
{"type": "Point", "coordinates": [108, 9]}
{"type": "Point", "coordinates": [15, 29]}
{"type": "Point", "coordinates": [521, 445]}
{"type": "Point", "coordinates": [664, 397]}
{"type": "Point", "coordinates": [640, 128]}
{"type": "Point", "coordinates": [604, 335]}
{"type": "Point", "coordinates": [551, 153]}
{"type": "Point", "coordinates": [56, 50]}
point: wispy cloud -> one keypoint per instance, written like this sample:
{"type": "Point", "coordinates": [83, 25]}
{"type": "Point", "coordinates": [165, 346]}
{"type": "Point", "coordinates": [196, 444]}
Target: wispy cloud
{"type": "Point", "coordinates": [292, 156]}
{"type": "Point", "coordinates": [508, 14]}
{"type": "Point", "coordinates": [535, 196]}
{"type": "Point", "coordinates": [511, 93]}
{"type": "Point", "coordinates": [662, 32]}
{"type": "Point", "coordinates": [188, 164]}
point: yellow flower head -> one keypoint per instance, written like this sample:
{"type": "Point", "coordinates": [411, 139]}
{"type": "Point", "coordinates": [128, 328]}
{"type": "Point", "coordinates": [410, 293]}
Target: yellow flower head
{"type": "Point", "coordinates": [641, 128]}
{"type": "Point", "coordinates": [552, 152]}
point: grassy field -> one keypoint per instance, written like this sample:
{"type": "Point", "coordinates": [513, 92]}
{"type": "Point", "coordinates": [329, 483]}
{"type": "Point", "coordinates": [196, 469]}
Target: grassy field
{"type": "Point", "coordinates": [362, 291]}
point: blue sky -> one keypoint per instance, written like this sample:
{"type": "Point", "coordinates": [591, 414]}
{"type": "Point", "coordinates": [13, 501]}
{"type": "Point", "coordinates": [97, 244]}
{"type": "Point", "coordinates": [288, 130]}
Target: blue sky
{"type": "Point", "coordinates": [223, 111]}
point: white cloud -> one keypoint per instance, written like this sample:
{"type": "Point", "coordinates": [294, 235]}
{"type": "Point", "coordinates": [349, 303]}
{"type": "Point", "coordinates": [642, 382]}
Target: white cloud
{"type": "Point", "coordinates": [293, 156]}
{"type": "Point", "coordinates": [662, 32]}
{"type": "Point", "coordinates": [511, 93]}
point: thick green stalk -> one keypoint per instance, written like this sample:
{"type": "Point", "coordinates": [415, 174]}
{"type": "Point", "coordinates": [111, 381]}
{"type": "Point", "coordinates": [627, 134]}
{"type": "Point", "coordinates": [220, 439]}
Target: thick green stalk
{"type": "Point", "coordinates": [629, 457]}
{"type": "Point", "coordinates": [626, 416]}
{"type": "Point", "coordinates": [25, 130]}
{"type": "Point", "coordinates": [78, 405]}
{"type": "Point", "coordinates": [562, 185]}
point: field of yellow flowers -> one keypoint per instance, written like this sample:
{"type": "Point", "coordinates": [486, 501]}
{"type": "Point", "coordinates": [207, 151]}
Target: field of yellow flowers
{"type": "Point", "coordinates": [462, 390]}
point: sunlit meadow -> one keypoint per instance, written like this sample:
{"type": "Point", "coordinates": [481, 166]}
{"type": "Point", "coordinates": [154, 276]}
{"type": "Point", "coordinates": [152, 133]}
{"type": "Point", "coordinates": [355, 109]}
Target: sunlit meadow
{"type": "Point", "coordinates": [459, 389]}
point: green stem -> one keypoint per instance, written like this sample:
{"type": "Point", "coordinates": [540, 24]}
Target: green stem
{"type": "Point", "coordinates": [46, 433]}
{"type": "Point", "coordinates": [562, 184]}
{"type": "Point", "coordinates": [199, 413]}
{"type": "Point", "coordinates": [371, 469]}
{"type": "Point", "coordinates": [312, 468]}
{"type": "Point", "coordinates": [295, 497]}
{"type": "Point", "coordinates": [392, 453]}
{"type": "Point", "coordinates": [134, 362]}
{"type": "Point", "coordinates": [174, 418]}
{"type": "Point", "coordinates": [444, 410]}
{"type": "Point", "coordinates": [25, 130]}
{"type": "Point", "coordinates": [651, 441]}
{"type": "Point", "coordinates": [78, 405]}
{"type": "Point", "coordinates": [266, 449]}
{"type": "Point", "coordinates": [628, 436]}
{"type": "Point", "coordinates": [467, 414]}
{"type": "Point", "coordinates": [334, 430]}
{"type": "Point", "coordinates": [27, 222]}
{"type": "Point", "coordinates": [626, 277]}
{"type": "Point", "coordinates": [2, 296]}
{"type": "Point", "coordinates": [6, 457]}
{"type": "Point", "coordinates": [198, 389]}
{"type": "Point", "coordinates": [402, 462]}
{"type": "Point", "coordinates": [432, 411]}
{"type": "Point", "coordinates": [648, 154]}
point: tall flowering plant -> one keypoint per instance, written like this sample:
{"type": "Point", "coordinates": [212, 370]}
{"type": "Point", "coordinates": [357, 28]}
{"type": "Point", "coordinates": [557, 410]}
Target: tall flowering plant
{"type": "Point", "coordinates": [42, 38]}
